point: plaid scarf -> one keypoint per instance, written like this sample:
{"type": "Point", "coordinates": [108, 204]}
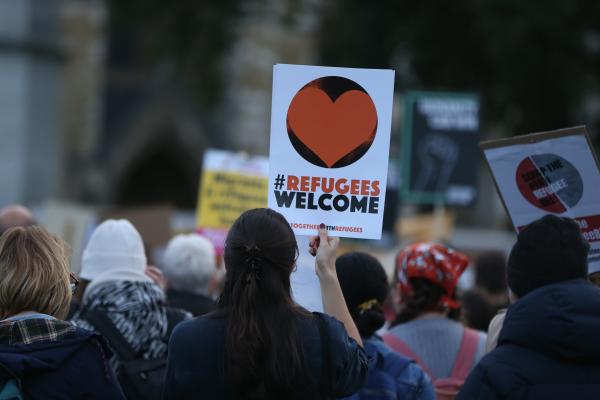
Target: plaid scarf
{"type": "Point", "coordinates": [32, 330]}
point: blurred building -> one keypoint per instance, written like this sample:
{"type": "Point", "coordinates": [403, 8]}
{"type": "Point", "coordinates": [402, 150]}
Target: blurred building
{"type": "Point", "coordinates": [268, 33]}
{"type": "Point", "coordinates": [84, 119]}
{"type": "Point", "coordinates": [143, 140]}
{"type": "Point", "coordinates": [31, 89]}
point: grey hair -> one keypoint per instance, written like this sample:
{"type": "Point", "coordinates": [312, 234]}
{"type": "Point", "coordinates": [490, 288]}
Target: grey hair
{"type": "Point", "coordinates": [189, 263]}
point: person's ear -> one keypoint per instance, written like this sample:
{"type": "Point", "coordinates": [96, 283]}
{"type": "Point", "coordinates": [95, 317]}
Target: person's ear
{"type": "Point", "coordinates": [83, 283]}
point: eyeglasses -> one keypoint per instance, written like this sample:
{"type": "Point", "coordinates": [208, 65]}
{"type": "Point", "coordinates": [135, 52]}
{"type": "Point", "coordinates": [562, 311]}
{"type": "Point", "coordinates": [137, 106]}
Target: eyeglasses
{"type": "Point", "coordinates": [74, 283]}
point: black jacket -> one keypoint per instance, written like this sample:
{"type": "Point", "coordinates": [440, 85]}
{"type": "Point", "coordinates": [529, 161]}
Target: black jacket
{"type": "Point", "coordinates": [549, 348]}
{"type": "Point", "coordinates": [55, 360]}
{"type": "Point", "coordinates": [197, 304]}
{"type": "Point", "coordinates": [196, 364]}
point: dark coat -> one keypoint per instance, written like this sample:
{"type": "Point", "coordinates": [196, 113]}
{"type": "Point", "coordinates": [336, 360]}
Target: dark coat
{"type": "Point", "coordinates": [72, 367]}
{"type": "Point", "coordinates": [197, 304]}
{"type": "Point", "coordinates": [196, 365]}
{"type": "Point", "coordinates": [549, 348]}
{"type": "Point", "coordinates": [478, 311]}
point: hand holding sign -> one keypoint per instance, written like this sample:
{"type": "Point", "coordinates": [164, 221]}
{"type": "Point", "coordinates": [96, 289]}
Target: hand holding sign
{"type": "Point", "coordinates": [324, 248]}
{"type": "Point", "coordinates": [331, 291]}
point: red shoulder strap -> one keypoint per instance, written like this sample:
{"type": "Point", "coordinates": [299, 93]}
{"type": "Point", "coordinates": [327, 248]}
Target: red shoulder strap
{"type": "Point", "coordinates": [399, 346]}
{"type": "Point", "coordinates": [466, 355]}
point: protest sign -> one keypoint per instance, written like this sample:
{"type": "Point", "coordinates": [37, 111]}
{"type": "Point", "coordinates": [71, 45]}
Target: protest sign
{"type": "Point", "coordinates": [231, 183]}
{"type": "Point", "coordinates": [330, 137]}
{"type": "Point", "coordinates": [306, 289]}
{"type": "Point", "coordinates": [439, 148]}
{"type": "Point", "coordinates": [549, 173]}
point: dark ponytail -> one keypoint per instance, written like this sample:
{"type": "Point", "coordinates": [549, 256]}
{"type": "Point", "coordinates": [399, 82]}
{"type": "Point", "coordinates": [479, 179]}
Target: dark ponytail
{"type": "Point", "coordinates": [369, 320]}
{"type": "Point", "coordinates": [365, 287]}
{"type": "Point", "coordinates": [262, 346]}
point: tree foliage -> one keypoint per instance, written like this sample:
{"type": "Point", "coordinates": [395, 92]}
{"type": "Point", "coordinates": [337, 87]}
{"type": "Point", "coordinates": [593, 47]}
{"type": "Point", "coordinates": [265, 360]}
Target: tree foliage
{"type": "Point", "coordinates": [191, 35]}
{"type": "Point", "coordinates": [532, 62]}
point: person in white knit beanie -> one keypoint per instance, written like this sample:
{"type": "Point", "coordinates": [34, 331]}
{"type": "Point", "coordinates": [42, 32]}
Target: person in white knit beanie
{"type": "Point", "coordinates": [115, 252]}
{"type": "Point", "coordinates": [114, 263]}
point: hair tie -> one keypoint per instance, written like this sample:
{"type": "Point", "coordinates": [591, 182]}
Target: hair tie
{"type": "Point", "coordinates": [367, 305]}
{"type": "Point", "coordinates": [253, 260]}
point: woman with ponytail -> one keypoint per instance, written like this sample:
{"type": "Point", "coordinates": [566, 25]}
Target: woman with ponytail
{"type": "Point", "coordinates": [260, 344]}
{"type": "Point", "coordinates": [392, 376]}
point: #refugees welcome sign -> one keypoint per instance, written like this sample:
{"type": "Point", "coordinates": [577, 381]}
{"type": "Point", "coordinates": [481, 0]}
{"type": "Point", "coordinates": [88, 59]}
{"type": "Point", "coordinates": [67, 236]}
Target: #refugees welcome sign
{"type": "Point", "coordinates": [549, 173]}
{"type": "Point", "coordinates": [330, 138]}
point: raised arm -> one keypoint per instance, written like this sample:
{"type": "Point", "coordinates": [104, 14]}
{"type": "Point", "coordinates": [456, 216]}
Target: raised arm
{"type": "Point", "coordinates": [324, 248]}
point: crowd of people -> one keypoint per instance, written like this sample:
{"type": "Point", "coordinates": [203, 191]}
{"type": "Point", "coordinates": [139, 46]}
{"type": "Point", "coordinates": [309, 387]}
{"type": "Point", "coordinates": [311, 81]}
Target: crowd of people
{"type": "Point", "coordinates": [124, 329]}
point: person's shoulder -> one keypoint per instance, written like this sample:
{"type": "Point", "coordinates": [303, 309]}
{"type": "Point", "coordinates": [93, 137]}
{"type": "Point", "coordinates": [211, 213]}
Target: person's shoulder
{"type": "Point", "coordinates": [334, 327]}
{"type": "Point", "coordinates": [335, 332]}
{"type": "Point", "coordinates": [500, 372]}
{"type": "Point", "coordinates": [409, 377]}
{"type": "Point", "coordinates": [199, 327]}
{"type": "Point", "coordinates": [88, 369]}
{"type": "Point", "coordinates": [91, 339]}
{"type": "Point", "coordinates": [413, 377]}
{"type": "Point", "coordinates": [206, 321]}
{"type": "Point", "coordinates": [509, 364]}
{"type": "Point", "coordinates": [41, 330]}
{"type": "Point", "coordinates": [325, 317]}
{"type": "Point", "coordinates": [393, 362]}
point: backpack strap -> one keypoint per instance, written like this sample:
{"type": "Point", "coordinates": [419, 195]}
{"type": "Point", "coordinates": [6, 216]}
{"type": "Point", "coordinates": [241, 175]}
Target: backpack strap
{"type": "Point", "coordinates": [326, 381]}
{"type": "Point", "coordinates": [399, 346]}
{"type": "Point", "coordinates": [102, 322]}
{"type": "Point", "coordinates": [466, 355]}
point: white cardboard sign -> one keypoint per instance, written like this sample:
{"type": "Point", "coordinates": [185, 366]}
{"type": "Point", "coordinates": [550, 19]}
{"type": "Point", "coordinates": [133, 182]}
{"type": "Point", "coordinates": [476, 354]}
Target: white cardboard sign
{"type": "Point", "coordinates": [549, 173]}
{"type": "Point", "coordinates": [330, 138]}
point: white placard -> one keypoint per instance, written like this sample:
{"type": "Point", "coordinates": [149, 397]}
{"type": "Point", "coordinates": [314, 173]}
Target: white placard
{"type": "Point", "coordinates": [330, 138]}
{"type": "Point", "coordinates": [306, 288]}
{"type": "Point", "coordinates": [549, 173]}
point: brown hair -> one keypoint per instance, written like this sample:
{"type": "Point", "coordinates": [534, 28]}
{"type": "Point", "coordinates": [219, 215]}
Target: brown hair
{"type": "Point", "coordinates": [34, 273]}
{"type": "Point", "coordinates": [263, 348]}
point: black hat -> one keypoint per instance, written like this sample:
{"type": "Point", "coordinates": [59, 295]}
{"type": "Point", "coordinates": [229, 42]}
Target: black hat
{"type": "Point", "coordinates": [547, 251]}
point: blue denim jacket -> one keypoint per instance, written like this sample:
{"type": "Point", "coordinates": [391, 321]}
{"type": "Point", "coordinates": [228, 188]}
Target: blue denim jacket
{"type": "Point", "coordinates": [393, 376]}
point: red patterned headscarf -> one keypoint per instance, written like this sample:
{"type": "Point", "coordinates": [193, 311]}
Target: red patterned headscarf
{"type": "Point", "coordinates": [434, 262]}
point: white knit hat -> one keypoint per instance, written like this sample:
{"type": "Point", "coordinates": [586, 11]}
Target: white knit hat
{"type": "Point", "coordinates": [115, 252]}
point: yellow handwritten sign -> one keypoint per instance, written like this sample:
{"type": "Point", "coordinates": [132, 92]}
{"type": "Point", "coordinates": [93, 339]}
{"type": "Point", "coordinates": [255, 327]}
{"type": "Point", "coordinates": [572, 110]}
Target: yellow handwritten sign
{"type": "Point", "coordinates": [229, 187]}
